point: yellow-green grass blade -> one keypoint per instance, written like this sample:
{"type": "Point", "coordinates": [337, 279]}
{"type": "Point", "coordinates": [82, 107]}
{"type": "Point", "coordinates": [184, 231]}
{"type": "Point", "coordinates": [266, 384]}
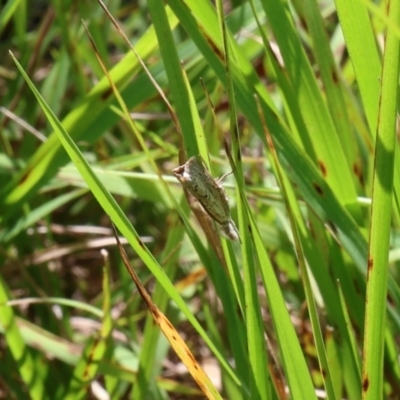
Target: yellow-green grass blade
{"type": "Point", "coordinates": [350, 357]}
{"type": "Point", "coordinates": [361, 45]}
{"type": "Point", "coordinates": [295, 367]}
{"type": "Point", "coordinates": [358, 31]}
{"type": "Point", "coordinates": [8, 10]}
{"type": "Point", "coordinates": [96, 349]}
{"type": "Point", "coordinates": [333, 84]}
{"type": "Point", "coordinates": [26, 364]}
{"type": "Point", "coordinates": [382, 194]}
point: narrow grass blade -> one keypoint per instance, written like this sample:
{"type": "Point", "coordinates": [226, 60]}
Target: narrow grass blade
{"type": "Point", "coordinates": [382, 194]}
{"type": "Point", "coordinates": [21, 354]}
{"type": "Point", "coordinates": [177, 343]}
{"type": "Point", "coordinates": [95, 350]}
{"type": "Point", "coordinates": [118, 217]}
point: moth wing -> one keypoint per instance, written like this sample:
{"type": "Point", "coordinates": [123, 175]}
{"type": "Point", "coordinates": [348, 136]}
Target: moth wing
{"type": "Point", "coordinates": [230, 231]}
{"type": "Point", "coordinates": [217, 205]}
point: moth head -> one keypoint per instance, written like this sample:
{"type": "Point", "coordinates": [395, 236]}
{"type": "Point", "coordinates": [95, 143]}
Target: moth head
{"type": "Point", "coordinates": [181, 173]}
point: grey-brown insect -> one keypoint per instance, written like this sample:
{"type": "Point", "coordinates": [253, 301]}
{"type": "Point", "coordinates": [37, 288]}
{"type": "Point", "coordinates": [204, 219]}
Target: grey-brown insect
{"type": "Point", "coordinates": [195, 178]}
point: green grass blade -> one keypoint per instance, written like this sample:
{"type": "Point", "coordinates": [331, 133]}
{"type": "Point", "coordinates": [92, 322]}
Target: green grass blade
{"type": "Point", "coordinates": [382, 194]}
{"type": "Point", "coordinates": [319, 343]}
{"type": "Point", "coordinates": [26, 221]}
{"type": "Point", "coordinates": [295, 367]}
{"type": "Point", "coordinates": [298, 166]}
{"type": "Point", "coordinates": [333, 85]}
{"type": "Point", "coordinates": [92, 110]}
{"type": "Point", "coordinates": [22, 356]}
{"type": "Point", "coordinates": [174, 73]}
{"type": "Point", "coordinates": [118, 217]}
{"type": "Point", "coordinates": [320, 127]}
{"type": "Point", "coordinates": [361, 44]}
{"type": "Point", "coordinates": [95, 350]}
{"type": "Point", "coordinates": [260, 387]}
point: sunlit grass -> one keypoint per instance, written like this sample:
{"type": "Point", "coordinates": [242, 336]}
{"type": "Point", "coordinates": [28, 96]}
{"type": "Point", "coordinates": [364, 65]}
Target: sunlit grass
{"type": "Point", "coordinates": [280, 314]}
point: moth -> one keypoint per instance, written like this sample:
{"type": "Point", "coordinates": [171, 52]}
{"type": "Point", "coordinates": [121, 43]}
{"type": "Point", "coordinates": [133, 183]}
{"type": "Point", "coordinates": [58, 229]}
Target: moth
{"type": "Point", "coordinates": [195, 178]}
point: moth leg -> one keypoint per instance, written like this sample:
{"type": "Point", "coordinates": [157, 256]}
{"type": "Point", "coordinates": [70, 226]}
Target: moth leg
{"type": "Point", "coordinates": [219, 180]}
